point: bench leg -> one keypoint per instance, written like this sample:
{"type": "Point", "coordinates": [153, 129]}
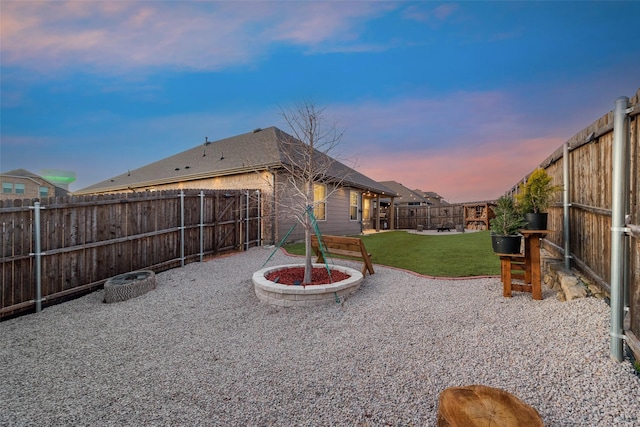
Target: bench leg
{"type": "Point", "coordinates": [505, 275]}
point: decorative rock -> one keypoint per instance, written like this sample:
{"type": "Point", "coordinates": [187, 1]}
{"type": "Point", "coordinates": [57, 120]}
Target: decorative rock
{"type": "Point", "coordinates": [478, 405]}
{"type": "Point", "coordinates": [568, 284]}
{"type": "Point", "coordinates": [571, 286]}
{"type": "Point", "coordinates": [129, 285]}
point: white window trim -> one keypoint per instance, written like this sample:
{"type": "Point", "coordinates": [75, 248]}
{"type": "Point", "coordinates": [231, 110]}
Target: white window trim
{"type": "Point", "coordinates": [358, 197]}
{"type": "Point", "coordinates": [317, 203]}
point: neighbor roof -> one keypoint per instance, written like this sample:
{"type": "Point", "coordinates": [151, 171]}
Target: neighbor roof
{"type": "Point", "coordinates": [23, 173]}
{"type": "Point", "coordinates": [248, 152]}
{"type": "Point", "coordinates": [405, 194]}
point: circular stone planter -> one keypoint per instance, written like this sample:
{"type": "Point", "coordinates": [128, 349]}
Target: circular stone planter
{"type": "Point", "coordinates": [129, 285]}
{"type": "Point", "coordinates": [300, 296]}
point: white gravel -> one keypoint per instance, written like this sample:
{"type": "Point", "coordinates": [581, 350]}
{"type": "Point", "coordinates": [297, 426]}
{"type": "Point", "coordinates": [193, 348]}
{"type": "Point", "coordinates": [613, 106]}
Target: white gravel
{"type": "Point", "coordinates": [202, 350]}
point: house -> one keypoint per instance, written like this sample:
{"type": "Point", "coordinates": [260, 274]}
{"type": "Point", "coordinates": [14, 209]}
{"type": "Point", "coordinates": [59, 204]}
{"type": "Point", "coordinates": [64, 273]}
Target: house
{"type": "Point", "coordinates": [346, 200]}
{"type": "Point", "coordinates": [406, 197]}
{"type": "Point", "coordinates": [23, 184]}
{"type": "Point", "coordinates": [434, 199]}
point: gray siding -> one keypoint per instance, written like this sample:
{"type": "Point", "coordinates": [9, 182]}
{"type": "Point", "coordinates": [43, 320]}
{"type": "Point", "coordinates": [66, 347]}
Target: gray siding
{"type": "Point", "coordinates": [337, 222]}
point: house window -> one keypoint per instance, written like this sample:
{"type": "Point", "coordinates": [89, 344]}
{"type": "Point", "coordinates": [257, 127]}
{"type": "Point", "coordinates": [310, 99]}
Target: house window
{"type": "Point", "coordinates": [44, 191]}
{"type": "Point", "coordinates": [7, 188]}
{"type": "Point", "coordinates": [319, 197]}
{"type": "Point", "coordinates": [19, 188]}
{"type": "Point", "coordinates": [353, 205]}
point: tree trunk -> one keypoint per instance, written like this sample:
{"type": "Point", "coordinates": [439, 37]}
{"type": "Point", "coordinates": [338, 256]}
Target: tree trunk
{"type": "Point", "coordinates": [308, 266]}
{"type": "Point", "coordinates": [308, 229]}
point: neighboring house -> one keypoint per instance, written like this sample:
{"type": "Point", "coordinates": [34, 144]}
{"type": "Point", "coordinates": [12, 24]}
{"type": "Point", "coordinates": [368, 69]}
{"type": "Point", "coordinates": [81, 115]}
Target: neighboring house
{"type": "Point", "coordinates": [434, 199]}
{"type": "Point", "coordinates": [406, 197]}
{"type": "Point", "coordinates": [256, 161]}
{"type": "Point", "coordinates": [22, 184]}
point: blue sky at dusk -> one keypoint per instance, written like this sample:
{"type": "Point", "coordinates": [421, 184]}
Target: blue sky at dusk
{"type": "Point", "coordinates": [460, 98]}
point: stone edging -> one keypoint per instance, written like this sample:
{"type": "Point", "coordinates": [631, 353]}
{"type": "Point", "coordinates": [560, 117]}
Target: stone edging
{"type": "Point", "coordinates": [299, 296]}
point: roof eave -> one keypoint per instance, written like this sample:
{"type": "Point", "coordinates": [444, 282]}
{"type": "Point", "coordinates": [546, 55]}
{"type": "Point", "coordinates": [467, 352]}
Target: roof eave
{"type": "Point", "coordinates": [173, 180]}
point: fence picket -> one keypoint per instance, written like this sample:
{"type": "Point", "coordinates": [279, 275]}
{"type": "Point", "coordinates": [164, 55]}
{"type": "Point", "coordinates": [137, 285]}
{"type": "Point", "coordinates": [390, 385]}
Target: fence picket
{"type": "Point", "coordinates": [88, 239]}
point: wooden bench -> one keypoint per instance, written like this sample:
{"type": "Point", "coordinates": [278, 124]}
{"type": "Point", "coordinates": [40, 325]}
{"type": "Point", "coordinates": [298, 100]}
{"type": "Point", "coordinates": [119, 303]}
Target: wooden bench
{"type": "Point", "coordinates": [346, 246]}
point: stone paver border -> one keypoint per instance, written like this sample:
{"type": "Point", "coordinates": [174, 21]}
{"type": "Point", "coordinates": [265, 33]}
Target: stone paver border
{"type": "Point", "coordinates": [300, 296]}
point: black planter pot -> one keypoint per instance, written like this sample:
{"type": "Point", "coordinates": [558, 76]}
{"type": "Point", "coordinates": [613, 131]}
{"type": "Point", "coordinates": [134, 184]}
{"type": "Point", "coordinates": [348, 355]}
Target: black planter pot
{"type": "Point", "coordinates": [536, 221]}
{"type": "Point", "coordinates": [506, 244]}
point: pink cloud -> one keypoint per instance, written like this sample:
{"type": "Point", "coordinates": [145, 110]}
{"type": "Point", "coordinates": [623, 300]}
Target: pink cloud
{"type": "Point", "coordinates": [427, 13]}
{"type": "Point", "coordinates": [466, 146]}
{"type": "Point", "coordinates": [320, 21]}
{"type": "Point", "coordinates": [468, 174]}
{"type": "Point", "coordinates": [115, 37]}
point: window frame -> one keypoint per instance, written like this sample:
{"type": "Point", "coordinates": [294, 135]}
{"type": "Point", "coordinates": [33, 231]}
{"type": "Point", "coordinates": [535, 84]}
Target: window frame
{"type": "Point", "coordinates": [7, 185]}
{"type": "Point", "coordinates": [46, 191]}
{"type": "Point", "coordinates": [320, 203]}
{"type": "Point", "coordinates": [352, 206]}
{"type": "Point", "coordinates": [19, 188]}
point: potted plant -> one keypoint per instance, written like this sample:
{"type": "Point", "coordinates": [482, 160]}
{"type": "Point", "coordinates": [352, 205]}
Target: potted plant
{"type": "Point", "coordinates": [505, 226]}
{"type": "Point", "coordinates": [535, 197]}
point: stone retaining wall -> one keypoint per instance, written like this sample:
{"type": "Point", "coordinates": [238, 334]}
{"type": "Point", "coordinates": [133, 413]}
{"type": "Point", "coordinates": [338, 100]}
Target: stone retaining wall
{"type": "Point", "coordinates": [568, 284]}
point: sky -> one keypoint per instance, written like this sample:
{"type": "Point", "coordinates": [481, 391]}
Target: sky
{"type": "Point", "coordinates": [460, 98]}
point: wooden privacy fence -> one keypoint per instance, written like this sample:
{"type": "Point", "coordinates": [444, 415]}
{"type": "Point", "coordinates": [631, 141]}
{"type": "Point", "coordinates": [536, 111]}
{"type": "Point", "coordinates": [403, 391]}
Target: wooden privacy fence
{"type": "Point", "coordinates": [409, 217]}
{"type": "Point", "coordinates": [79, 242]}
{"type": "Point", "coordinates": [589, 163]}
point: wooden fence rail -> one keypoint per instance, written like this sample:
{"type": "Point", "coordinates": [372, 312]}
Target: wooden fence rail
{"type": "Point", "coordinates": [86, 240]}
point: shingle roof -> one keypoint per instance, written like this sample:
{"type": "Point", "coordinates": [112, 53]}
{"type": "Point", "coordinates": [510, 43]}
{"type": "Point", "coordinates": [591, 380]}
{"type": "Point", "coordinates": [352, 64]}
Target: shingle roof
{"type": "Point", "coordinates": [23, 173]}
{"type": "Point", "coordinates": [248, 152]}
{"type": "Point", "coordinates": [406, 195]}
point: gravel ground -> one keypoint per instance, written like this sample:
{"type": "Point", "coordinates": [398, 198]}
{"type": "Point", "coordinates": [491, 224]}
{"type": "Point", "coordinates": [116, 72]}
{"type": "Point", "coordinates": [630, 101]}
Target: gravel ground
{"type": "Point", "coordinates": [202, 350]}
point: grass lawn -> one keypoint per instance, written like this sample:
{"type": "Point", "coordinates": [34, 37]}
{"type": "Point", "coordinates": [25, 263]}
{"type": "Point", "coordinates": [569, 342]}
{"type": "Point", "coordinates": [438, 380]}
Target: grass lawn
{"type": "Point", "coordinates": [454, 255]}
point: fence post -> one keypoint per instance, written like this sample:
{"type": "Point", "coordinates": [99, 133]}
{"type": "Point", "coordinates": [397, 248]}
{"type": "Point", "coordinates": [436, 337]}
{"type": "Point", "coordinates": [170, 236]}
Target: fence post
{"type": "Point", "coordinates": [567, 205]}
{"type": "Point", "coordinates": [247, 226]}
{"type": "Point", "coordinates": [259, 220]}
{"type": "Point", "coordinates": [201, 225]}
{"type": "Point", "coordinates": [38, 254]}
{"type": "Point", "coordinates": [618, 229]}
{"type": "Point", "coordinates": [181, 228]}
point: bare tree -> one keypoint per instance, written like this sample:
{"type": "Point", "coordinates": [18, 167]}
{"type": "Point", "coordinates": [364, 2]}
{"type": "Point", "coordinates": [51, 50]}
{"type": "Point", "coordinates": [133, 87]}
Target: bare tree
{"type": "Point", "coordinates": [306, 160]}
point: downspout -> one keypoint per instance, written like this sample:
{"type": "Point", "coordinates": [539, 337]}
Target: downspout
{"type": "Point", "coordinates": [618, 229]}
{"type": "Point", "coordinates": [567, 206]}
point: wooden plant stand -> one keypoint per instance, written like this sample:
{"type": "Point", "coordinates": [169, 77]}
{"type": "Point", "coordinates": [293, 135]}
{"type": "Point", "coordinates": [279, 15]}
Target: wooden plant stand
{"type": "Point", "coordinates": [528, 263]}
